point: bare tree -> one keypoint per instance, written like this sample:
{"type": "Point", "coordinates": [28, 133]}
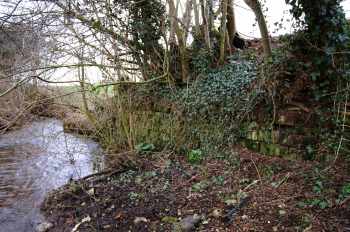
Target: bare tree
{"type": "Point", "coordinates": [223, 31]}
{"type": "Point", "coordinates": [205, 20]}
{"type": "Point", "coordinates": [256, 7]}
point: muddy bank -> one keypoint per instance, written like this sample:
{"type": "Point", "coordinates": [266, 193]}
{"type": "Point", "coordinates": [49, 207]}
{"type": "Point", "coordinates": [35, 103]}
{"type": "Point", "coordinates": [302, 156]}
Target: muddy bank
{"type": "Point", "coordinates": [77, 122]}
{"type": "Point", "coordinates": [245, 192]}
{"type": "Point", "coordinates": [21, 108]}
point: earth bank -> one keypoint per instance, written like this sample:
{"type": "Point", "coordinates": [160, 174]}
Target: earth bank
{"type": "Point", "coordinates": [243, 192]}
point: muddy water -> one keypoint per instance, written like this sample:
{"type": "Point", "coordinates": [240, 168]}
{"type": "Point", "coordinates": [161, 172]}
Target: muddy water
{"type": "Point", "coordinates": [35, 160]}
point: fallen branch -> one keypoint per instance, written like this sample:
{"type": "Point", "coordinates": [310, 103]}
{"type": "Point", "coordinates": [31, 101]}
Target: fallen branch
{"type": "Point", "coordinates": [109, 172]}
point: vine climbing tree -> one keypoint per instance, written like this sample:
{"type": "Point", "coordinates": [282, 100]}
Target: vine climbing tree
{"type": "Point", "coordinates": [324, 36]}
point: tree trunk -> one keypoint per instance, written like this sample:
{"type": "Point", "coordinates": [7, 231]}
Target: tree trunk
{"type": "Point", "coordinates": [223, 31]}
{"type": "Point", "coordinates": [256, 7]}
{"type": "Point", "coordinates": [209, 9]}
{"type": "Point", "coordinates": [181, 42]}
{"type": "Point", "coordinates": [196, 16]}
{"type": "Point", "coordinates": [81, 76]}
{"type": "Point", "coordinates": [231, 21]}
{"type": "Point", "coordinates": [228, 45]}
{"type": "Point", "coordinates": [173, 17]}
{"type": "Point", "coordinates": [187, 18]}
{"type": "Point", "coordinates": [205, 16]}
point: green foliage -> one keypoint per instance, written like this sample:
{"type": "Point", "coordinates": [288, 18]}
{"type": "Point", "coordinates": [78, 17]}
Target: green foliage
{"type": "Point", "coordinates": [344, 193]}
{"type": "Point", "coordinates": [320, 199]}
{"type": "Point", "coordinates": [268, 171]}
{"type": "Point", "coordinates": [215, 104]}
{"type": "Point", "coordinates": [99, 89]}
{"type": "Point", "coordinates": [318, 187]}
{"type": "Point", "coordinates": [220, 93]}
{"type": "Point", "coordinates": [120, 129]}
{"type": "Point", "coordinates": [323, 195]}
{"type": "Point", "coordinates": [218, 180]}
{"type": "Point", "coordinates": [324, 36]}
{"type": "Point", "coordinates": [145, 25]}
{"type": "Point", "coordinates": [201, 61]}
{"type": "Point", "coordinates": [305, 223]}
{"type": "Point", "coordinates": [200, 53]}
{"type": "Point", "coordinates": [133, 196]}
{"type": "Point", "coordinates": [206, 116]}
{"type": "Point", "coordinates": [320, 192]}
{"type": "Point", "coordinates": [316, 202]}
{"type": "Point", "coordinates": [310, 152]}
{"type": "Point", "coordinates": [200, 186]}
{"type": "Point", "coordinates": [142, 148]}
{"type": "Point", "coordinates": [195, 156]}
{"type": "Point", "coordinates": [96, 24]}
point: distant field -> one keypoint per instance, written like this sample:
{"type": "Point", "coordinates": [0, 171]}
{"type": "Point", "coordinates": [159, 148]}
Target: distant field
{"type": "Point", "coordinates": [71, 94]}
{"type": "Point", "coordinates": [68, 95]}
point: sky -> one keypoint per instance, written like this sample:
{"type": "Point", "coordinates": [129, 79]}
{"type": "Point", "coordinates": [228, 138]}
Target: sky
{"type": "Point", "coordinates": [278, 11]}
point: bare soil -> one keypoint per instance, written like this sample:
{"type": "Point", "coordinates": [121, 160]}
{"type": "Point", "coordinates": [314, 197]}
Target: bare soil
{"type": "Point", "coordinates": [164, 188]}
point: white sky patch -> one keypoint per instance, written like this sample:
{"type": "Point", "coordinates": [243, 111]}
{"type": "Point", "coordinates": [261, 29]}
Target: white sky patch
{"type": "Point", "coordinates": [277, 13]}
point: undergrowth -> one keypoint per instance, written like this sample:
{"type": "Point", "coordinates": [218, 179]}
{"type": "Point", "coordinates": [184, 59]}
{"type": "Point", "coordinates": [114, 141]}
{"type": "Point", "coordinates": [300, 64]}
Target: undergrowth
{"type": "Point", "coordinates": [208, 116]}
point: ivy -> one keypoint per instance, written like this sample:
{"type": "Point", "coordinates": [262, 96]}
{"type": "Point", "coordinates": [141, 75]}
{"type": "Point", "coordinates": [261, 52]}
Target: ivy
{"type": "Point", "coordinates": [323, 38]}
{"type": "Point", "coordinates": [217, 101]}
{"type": "Point", "coordinates": [145, 25]}
{"type": "Point", "coordinates": [220, 92]}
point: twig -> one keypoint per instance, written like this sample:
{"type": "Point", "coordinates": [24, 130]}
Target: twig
{"type": "Point", "coordinates": [284, 179]}
{"type": "Point", "coordinates": [109, 172]}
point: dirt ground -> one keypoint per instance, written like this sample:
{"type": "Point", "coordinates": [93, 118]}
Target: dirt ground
{"type": "Point", "coordinates": [243, 192]}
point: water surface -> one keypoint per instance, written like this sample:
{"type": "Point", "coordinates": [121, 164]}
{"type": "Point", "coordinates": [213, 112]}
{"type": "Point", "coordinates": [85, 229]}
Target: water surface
{"type": "Point", "coordinates": [35, 160]}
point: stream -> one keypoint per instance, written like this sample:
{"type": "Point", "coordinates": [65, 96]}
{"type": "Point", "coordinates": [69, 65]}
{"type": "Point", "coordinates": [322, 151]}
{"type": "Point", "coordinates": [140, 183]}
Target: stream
{"type": "Point", "coordinates": [34, 160]}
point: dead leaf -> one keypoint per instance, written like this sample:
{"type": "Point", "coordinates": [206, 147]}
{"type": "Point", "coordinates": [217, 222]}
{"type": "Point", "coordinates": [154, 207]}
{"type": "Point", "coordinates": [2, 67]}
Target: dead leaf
{"type": "Point", "coordinates": [118, 215]}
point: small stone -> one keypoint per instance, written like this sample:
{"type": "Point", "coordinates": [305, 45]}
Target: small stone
{"type": "Point", "coordinates": [217, 213]}
{"type": "Point", "coordinates": [91, 192]}
{"type": "Point", "coordinates": [169, 219]}
{"type": "Point", "coordinates": [244, 217]}
{"type": "Point", "coordinates": [231, 202]}
{"type": "Point", "coordinates": [138, 180]}
{"type": "Point", "coordinates": [138, 220]}
{"type": "Point", "coordinates": [275, 228]}
{"type": "Point", "coordinates": [189, 223]}
{"type": "Point", "coordinates": [206, 222]}
{"type": "Point", "coordinates": [86, 219]}
{"type": "Point", "coordinates": [282, 212]}
{"type": "Point", "coordinates": [110, 208]}
{"type": "Point", "coordinates": [43, 227]}
{"type": "Point", "coordinates": [179, 212]}
{"type": "Point", "coordinates": [83, 204]}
